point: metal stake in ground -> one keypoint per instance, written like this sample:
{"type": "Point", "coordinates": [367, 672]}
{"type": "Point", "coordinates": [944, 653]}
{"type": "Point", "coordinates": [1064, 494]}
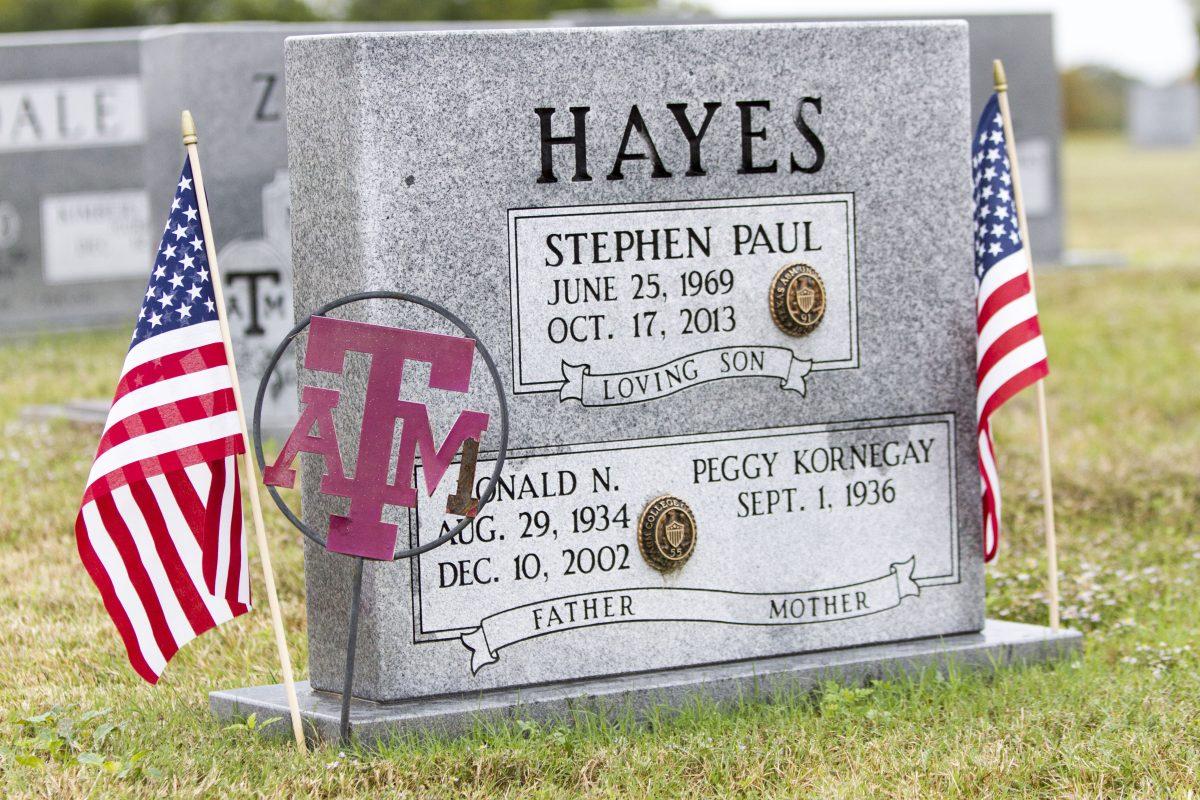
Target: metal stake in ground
{"type": "Point", "coordinates": [461, 503]}
{"type": "Point", "coordinates": [351, 648]}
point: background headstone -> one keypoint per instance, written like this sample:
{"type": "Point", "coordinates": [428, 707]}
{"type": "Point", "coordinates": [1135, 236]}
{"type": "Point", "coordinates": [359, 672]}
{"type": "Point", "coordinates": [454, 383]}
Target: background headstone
{"type": "Point", "coordinates": [75, 217]}
{"type": "Point", "coordinates": [1164, 116]}
{"type": "Point", "coordinates": [415, 161]}
{"type": "Point", "coordinates": [231, 77]}
{"type": "Point", "coordinates": [1025, 42]}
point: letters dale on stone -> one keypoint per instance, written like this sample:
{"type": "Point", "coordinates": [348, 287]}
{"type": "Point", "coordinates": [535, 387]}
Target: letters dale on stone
{"type": "Point", "coordinates": [736, 326]}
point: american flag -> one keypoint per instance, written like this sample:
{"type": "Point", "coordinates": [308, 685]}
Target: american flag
{"type": "Point", "coordinates": [160, 524]}
{"type": "Point", "coordinates": [1010, 353]}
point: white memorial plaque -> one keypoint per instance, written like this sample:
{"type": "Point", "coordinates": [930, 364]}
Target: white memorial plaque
{"type": "Point", "coordinates": [93, 236]}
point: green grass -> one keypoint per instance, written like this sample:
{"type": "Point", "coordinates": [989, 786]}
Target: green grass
{"type": "Point", "coordinates": [1119, 721]}
{"type": "Point", "coordinates": [1139, 203]}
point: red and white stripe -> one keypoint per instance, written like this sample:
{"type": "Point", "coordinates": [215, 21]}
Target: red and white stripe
{"type": "Point", "coordinates": [1010, 355]}
{"type": "Point", "coordinates": [160, 527]}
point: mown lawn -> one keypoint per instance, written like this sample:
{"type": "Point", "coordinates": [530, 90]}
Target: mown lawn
{"type": "Point", "coordinates": [1120, 721]}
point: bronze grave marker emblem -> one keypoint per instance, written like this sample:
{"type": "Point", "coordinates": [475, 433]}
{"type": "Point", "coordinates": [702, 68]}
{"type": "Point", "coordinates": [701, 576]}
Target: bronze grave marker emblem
{"type": "Point", "coordinates": [797, 299]}
{"type": "Point", "coordinates": [666, 533]}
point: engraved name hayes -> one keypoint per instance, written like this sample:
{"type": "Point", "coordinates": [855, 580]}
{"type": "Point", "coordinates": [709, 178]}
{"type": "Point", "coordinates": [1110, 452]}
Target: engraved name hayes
{"type": "Point", "coordinates": [771, 138]}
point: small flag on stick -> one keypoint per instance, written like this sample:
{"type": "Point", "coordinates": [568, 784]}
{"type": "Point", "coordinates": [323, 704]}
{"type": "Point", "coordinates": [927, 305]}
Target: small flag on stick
{"type": "Point", "coordinates": [999, 114]}
{"type": "Point", "coordinates": [1010, 353]}
{"type": "Point", "coordinates": [160, 526]}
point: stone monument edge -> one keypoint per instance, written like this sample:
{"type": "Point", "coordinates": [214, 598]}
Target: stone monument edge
{"type": "Point", "coordinates": [998, 645]}
{"type": "Point", "coordinates": [331, 140]}
{"type": "Point", "coordinates": [305, 40]}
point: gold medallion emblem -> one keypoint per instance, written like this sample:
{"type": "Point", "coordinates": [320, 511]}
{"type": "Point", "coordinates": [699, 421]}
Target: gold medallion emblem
{"type": "Point", "coordinates": [797, 299]}
{"type": "Point", "coordinates": [666, 533]}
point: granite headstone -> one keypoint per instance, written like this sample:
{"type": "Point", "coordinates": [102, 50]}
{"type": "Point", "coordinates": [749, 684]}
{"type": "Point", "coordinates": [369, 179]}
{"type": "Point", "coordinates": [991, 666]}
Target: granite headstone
{"type": "Point", "coordinates": [75, 233]}
{"type": "Point", "coordinates": [622, 290]}
{"type": "Point", "coordinates": [740, 374]}
{"type": "Point", "coordinates": [1164, 116]}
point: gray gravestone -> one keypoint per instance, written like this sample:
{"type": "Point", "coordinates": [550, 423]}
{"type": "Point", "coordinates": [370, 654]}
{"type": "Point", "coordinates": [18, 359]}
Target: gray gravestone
{"type": "Point", "coordinates": [831, 477]}
{"type": "Point", "coordinates": [1164, 116]}
{"type": "Point", "coordinates": [90, 150]}
{"type": "Point", "coordinates": [1025, 42]}
{"type": "Point", "coordinates": [75, 236]}
{"type": "Point", "coordinates": [235, 93]}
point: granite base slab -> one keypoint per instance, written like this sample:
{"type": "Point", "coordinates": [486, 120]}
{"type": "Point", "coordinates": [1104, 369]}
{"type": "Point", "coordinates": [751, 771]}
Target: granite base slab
{"type": "Point", "coordinates": [999, 644]}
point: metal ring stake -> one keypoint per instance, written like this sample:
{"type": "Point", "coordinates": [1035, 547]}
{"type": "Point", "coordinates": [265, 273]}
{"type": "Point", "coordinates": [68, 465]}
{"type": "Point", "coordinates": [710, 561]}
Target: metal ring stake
{"type": "Point", "coordinates": [314, 536]}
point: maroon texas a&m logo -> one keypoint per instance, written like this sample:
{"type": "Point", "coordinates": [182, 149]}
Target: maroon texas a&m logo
{"type": "Point", "coordinates": [362, 532]}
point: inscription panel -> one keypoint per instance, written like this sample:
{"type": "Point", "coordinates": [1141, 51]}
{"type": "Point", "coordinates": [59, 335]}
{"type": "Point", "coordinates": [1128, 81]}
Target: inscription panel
{"type": "Point", "coordinates": [95, 236]}
{"type": "Point", "coordinates": [627, 303]}
{"type": "Point", "coordinates": [793, 526]}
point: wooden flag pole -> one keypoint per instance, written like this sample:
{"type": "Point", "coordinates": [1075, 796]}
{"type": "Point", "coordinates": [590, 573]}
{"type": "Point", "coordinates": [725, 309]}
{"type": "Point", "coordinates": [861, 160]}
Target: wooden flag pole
{"type": "Point", "coordinates": [1043, 429]}
{"type": "Point", "coordinates": [260, 532]}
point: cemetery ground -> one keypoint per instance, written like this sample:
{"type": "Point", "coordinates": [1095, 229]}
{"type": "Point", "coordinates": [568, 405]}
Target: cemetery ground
{"type": "Point", "coordinates": [1122, 720]}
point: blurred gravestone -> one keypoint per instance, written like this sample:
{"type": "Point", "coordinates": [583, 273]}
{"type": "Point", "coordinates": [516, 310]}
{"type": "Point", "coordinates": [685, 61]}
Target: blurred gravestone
{"type": "Point", "coordinates": [89, 150]}
{"type": "Point", "coordinates": [1164, 116]}
{"type": "Point", "coordinates": [1025, 43]}
{"type": "Point", "coordinates": [75, 219]}
{"type": "Point", "coordinates": [231, 78]}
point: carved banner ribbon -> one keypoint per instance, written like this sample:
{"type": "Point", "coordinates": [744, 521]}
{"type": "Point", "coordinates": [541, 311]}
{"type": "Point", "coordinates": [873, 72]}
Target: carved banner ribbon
{"type": "Point", "coordinates": [661, 604]}
{"type": "Point", "coordinates": [640, 385]}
